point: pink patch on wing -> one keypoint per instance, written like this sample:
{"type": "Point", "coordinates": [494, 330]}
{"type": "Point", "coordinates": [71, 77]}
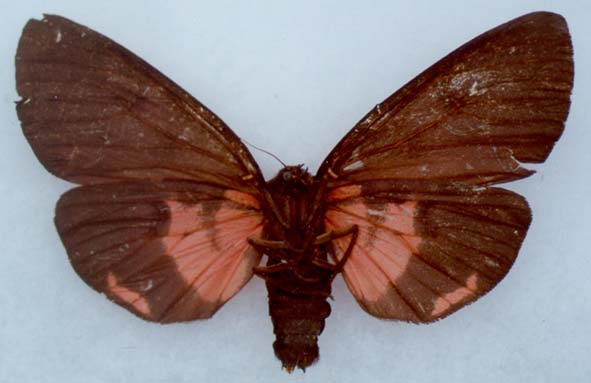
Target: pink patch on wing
{"type": "Point", "coordinates": [211, 253]}
{"type": "Point", "coordinates": [127, 295]}
{"type": "Point", "coordinates": [385, 245]}
{"type": "Point", "coordinates": [445, 302]}
{"type": "Point", "coordinates": [386, 271]}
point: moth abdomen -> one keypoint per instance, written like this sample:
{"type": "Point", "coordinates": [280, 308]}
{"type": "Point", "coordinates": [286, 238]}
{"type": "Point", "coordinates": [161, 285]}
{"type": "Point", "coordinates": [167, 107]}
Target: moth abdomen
{"type": "Point", "coordinates": [298, 320]}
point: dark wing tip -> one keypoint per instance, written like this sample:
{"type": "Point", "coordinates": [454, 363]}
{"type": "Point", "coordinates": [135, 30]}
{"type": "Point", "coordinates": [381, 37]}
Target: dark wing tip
{"type": "Point", "coordinates": [542, 17]}
{"type": "Point", "coordinates": [33, 35]}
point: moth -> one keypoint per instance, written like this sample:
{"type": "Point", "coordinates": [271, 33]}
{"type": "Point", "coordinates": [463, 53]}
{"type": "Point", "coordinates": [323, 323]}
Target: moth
{"type": "Point", "coordinates": [172, 214]}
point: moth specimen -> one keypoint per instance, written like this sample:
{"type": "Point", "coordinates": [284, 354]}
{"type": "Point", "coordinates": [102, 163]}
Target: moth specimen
{"type": "Point", "coordinates": [172, 214]}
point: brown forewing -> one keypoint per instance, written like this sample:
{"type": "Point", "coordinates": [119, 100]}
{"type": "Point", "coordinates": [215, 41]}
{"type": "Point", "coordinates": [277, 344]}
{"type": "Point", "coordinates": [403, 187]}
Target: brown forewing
{"type": "Point", "coordinates": [94, 112]}
{"type": "Point", "coordinates": [430, 151]}
{"type": "Point", "coordinates": [498, 100]}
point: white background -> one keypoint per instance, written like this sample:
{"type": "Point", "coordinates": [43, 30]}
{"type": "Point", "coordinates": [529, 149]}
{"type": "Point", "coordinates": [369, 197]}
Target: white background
{"type": "Point", "coordinates": [293, 77]}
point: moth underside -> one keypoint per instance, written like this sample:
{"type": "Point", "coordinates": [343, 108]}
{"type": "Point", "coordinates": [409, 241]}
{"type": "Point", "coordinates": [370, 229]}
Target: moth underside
{"type": "Point", "coordinates": [172, 214]}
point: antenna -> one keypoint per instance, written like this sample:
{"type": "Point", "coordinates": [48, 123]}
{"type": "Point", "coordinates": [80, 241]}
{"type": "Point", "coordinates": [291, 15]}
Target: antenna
{"type": "Point", "coordinates": [264, 151]}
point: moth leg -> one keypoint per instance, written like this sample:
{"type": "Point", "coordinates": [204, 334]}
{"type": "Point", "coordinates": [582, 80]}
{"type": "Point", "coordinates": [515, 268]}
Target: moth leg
{"type": "Point", "coordinates": [335, 234]}
{"type": "Point", "coordinates": [275, 210]}
{"type": "Point", "coordinates": [263, 244]}
{"type": "Point", "coordinates": [337, 267]}
{"type": "Point", "coordinates": [271, 275]}
{"type": "Point", "coordinates": [263, 271]}
{"type": "Point", "coordinates": [323, 264]}
{"type": "Point", "coordinates": [276, 249]}
{"type": "Point", "coordinates": [279, 249]}
{"type": "Point", "coordinates": [304, 278]}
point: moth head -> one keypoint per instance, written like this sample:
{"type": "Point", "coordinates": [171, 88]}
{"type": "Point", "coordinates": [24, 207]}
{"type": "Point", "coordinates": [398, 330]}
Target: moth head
{"type": "Point", "coordinates": [294, 176]}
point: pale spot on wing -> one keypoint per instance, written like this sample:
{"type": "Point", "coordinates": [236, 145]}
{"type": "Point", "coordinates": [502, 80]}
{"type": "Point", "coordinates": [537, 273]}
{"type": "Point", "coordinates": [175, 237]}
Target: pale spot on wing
{"type": "Point", "coordinates": [446, 301]}
{"type": "Point", "coordinates": [354, 166]}
{"type": "Point", "coordinates": [472, 82]}
{"type": "Point", "coordinates": [475, 91]}
{"type": "Point", "coordinates": [376, 213]}
{"type": "Point", "coordinates": [186, 133]}
{"type": "Point", "coordinates": [127, 295]}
